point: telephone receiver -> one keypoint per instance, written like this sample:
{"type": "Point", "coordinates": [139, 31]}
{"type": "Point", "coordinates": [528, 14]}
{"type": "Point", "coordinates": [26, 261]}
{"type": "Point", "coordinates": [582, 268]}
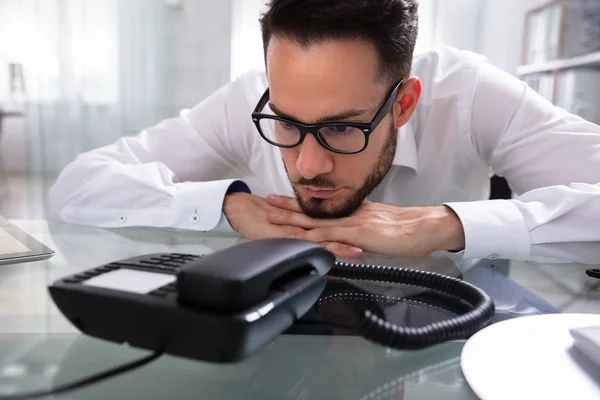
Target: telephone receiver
{"type": "Point", "coordinates": [230, 281]}
{"type": "Point", "coordinates": [225, 306]}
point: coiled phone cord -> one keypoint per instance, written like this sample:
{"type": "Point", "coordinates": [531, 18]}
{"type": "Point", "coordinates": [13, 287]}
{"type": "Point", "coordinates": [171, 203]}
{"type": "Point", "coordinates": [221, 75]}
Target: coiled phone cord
{"type": "Point", "coordinates": [391, 335]}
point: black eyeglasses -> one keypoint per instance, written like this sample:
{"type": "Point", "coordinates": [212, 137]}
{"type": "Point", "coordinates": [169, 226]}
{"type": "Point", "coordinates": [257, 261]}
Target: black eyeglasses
{"type": "Point", "coordinates": [339, 137]}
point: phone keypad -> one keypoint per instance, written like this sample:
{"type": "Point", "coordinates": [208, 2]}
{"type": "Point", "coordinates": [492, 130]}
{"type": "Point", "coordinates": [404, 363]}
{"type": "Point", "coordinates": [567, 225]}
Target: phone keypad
{"type": "Point", "coordinates": [154, 262]}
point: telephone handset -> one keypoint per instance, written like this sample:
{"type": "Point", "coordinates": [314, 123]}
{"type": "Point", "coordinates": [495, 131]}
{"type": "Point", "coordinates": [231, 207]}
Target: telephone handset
{"type": "Point", "coordinates": [225, 306]}
{"type": "Point", "coordinates": [235, 280]}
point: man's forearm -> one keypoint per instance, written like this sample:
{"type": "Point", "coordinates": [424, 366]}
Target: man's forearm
{"type": "Point", "coordinates": [447, 229]}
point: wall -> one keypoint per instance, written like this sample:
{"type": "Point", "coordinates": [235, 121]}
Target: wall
{"type": "Point", "coordinates": [427, 32]}
{"type": "Point", "coordinates": [202, 32]}
{"type": "Point", "coordinates": [493, 28]}
{"type": "Point", "coordinates": [502, 30]}
{"type": "Point", "coordinates": [246, 40]}
{"type": "Point", "coordinates": [456, 23]}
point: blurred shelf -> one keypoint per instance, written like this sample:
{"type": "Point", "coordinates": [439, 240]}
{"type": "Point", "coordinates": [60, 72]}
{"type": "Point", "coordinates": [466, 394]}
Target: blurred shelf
{"type": "Point", "coordinates": [588, 60]}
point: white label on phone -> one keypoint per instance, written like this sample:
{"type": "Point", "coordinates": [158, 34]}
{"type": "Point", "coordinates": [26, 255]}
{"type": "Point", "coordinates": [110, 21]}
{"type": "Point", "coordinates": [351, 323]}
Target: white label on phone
{"type": "Point", "coordinates": [131, 280]}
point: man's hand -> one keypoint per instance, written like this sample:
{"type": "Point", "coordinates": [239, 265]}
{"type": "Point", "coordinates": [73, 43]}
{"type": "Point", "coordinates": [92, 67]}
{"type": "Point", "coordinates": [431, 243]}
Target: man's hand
{"type": "Point", "coordinates": [247, 214]}
{"type": "Point", "coordinates": [378, 228]}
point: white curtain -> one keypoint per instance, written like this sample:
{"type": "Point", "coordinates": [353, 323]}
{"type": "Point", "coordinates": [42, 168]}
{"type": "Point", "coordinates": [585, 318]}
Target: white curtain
{"type": "Point", "coordinates": [94, 70]}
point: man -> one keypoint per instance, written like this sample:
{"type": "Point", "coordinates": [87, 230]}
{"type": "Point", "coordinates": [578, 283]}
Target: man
{"type": "Point", "coordinates": [362, 147]}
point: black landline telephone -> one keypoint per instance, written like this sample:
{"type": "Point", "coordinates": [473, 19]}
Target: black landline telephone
{"type": "Point", "coordinates": [227, 305]}
{"type": "Point", "coordinates": [224, 306]}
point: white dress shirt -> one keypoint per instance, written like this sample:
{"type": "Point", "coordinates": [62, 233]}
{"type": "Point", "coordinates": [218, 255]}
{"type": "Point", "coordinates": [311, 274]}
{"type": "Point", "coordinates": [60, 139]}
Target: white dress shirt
{"type": "Point", "coordinates": [473, 120]}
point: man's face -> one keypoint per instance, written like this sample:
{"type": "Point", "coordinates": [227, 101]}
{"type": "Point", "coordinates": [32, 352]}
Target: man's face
{"type": "Point", "coordinates": [327, 79]}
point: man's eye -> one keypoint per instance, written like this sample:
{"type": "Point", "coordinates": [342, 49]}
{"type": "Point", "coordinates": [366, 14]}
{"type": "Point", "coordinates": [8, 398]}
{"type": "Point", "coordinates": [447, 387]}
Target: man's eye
{"type": "Point", "coordinates": [286, 125]}
{"type": "Point", "coordinates": [338, 129]}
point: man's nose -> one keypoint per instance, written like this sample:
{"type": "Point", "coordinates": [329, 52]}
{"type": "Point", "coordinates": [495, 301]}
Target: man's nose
{"type": "Point", "coordinates": [313, 159]}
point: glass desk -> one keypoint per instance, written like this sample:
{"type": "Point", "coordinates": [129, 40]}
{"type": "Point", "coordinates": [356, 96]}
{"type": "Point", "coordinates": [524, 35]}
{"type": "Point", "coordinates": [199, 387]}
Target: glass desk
{"type": "Point", "coordinates": [39, 348]}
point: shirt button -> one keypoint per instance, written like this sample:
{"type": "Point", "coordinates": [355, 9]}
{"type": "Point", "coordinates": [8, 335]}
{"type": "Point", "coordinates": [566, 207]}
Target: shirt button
{"type": "Point", "coordinates": [195, 218]}
{"type": "Point", "coordinates": [122, 218]}
{"type": "Point", "coordinates": [493, 256]}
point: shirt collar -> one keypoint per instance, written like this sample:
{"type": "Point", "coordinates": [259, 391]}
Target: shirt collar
{"type": "Point", "coordinates": [406, 149]}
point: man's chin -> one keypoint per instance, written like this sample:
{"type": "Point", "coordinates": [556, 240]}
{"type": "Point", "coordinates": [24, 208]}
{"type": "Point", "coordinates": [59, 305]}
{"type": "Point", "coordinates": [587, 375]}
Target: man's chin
{"type": "Point", "coordinates": [326, 208]}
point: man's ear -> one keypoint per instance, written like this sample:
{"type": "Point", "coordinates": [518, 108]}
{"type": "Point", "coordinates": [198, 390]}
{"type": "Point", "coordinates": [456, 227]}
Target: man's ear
{"type": "Point", "coordinates": [407, 100]}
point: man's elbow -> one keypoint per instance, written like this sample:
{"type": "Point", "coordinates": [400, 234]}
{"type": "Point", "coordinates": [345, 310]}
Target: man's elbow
{"type": "Point", "coordinates": [55, 202]}
{"type": "Point", "coordinates": [61, 194]}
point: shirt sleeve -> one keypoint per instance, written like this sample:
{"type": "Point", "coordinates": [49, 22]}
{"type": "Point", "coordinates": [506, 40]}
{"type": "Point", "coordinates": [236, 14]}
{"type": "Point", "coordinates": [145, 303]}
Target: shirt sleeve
{"type": "Point", "coordinates": [172, 175]}
{"type": "Point", "coordinates": [551, 160]}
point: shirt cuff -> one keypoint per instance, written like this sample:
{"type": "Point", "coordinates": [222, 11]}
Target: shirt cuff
{"type": "Point", "coordinates": [199, 205]}
{"type": "Point", "coordinates": [493, 229]}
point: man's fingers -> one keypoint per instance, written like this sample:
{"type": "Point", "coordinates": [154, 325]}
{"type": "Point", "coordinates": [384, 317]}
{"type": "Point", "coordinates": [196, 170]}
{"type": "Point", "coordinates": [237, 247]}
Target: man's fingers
{"type": "Point", "coordinates": [282, 217]}
{"type": "Point", "coordinates": [285, 231]}
{"type": "Point", "coordinates": [270, 231]}
{"type": "Point", "coordinates": [339, 234]}
{"type": "Point", "coordinates": [285, 202]}
{"type": "Point", "coordinates": [343, 250]}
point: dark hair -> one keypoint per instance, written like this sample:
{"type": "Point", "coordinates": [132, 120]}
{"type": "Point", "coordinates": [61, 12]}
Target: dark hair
{"type": "Point", "coordinates": [390, 25]}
